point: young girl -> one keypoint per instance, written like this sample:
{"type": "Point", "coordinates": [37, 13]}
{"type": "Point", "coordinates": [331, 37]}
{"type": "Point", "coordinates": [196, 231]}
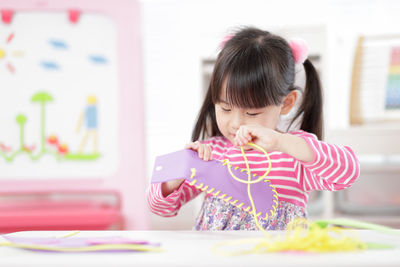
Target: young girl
{"type": "Point", "coordinates": [253, 95]}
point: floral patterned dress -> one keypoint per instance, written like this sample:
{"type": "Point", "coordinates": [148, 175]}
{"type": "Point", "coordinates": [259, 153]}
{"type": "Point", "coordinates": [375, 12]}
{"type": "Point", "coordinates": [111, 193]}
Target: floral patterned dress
{"type": "Point", "coordinates": [216, 214]}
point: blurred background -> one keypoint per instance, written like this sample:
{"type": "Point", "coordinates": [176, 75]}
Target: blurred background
{"type": "Point", "coordinates": [157, 57]}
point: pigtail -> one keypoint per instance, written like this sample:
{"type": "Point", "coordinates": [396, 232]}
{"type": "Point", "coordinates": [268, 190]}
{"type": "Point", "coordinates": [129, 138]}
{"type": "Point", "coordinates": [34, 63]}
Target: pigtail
{"type": "Point", "coordinates": [311, 107]}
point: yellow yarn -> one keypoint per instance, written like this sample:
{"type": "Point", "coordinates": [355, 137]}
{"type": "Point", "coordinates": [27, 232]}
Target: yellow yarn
{"type": "Point", "coordinates": [248, 169]}
{"type": "Point", "coordinates": [253, 208]}
{"type": "Point", "coordinates": [228, 198]}
{"type": "Point", "coordinates": [301, 234]}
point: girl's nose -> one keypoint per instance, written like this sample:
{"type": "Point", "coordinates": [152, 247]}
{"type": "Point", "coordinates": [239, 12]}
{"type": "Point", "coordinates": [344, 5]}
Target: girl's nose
{"type": "Point", "coordinates": [236, 121]}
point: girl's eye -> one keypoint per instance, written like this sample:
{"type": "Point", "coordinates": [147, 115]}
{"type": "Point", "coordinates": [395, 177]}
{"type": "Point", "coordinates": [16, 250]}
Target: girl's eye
{"type": "Point", "coordinates": [226, 109]}
{"type": "Point", "coordinates": [252, 114]}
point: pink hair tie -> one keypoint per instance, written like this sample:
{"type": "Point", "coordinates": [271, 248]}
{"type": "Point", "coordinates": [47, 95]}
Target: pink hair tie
{"type": "Point", "coordinates": [225, 40]}
{"type": "Point", "coordinates": [299, 49]}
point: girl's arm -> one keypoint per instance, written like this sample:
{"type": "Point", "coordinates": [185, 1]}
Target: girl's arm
{"type": "Point", "coordinates": [321, 165]}
{"type": "Point", "coordinates": [165, 199]}
{"type": "Point", "coordinates": [170, 186]}
{"type": "Point", "coordinates": [333, 168]}
{"type": "Point", "coordinates": [295, 146]}
{"type": "Point", "coordinates": [168, 206]}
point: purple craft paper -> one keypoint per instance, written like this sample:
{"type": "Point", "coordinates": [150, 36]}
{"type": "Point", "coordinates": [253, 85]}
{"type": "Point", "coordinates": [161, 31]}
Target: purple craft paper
{"type": "Point", "coordinates": [76, 242]}
{"type": "Point", "coordinates": [214, 174]}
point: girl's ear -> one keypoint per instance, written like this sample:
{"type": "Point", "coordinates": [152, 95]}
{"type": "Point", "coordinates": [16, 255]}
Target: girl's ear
{"type": "Point", "coordinates": [289, 102]}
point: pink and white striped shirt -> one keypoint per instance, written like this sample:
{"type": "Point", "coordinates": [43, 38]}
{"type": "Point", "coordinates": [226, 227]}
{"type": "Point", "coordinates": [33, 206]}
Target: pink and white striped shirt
{"type": "Point", "coordinates": [334, 168]}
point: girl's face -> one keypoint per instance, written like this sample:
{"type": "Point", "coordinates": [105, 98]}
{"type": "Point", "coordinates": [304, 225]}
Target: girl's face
{"type": "Point", "coordinates": [230, 118]}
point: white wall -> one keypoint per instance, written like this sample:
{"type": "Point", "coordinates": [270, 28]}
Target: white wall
{"type": "Point", "coordinates": [178, 34]}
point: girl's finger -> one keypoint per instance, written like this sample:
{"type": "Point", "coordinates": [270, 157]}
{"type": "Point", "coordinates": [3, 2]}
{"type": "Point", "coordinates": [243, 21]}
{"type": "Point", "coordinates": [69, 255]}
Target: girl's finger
{"type": "Point", "coordinates": [236, 141]}
{"type": "Point", "coordinates": [247, 134]}
{"type": "Point", "coordinates": [187, 146]}
{"type": "Point", "coordinates": [237, 137]}
{"type": "Point", "coordinates": [241, 136]}
{"type": "Point", "coordinates": [207, 153]}
{"type": "Point", "coordinates": [192, 146]}
{"type": "Point", "coordinates": [201, 151]}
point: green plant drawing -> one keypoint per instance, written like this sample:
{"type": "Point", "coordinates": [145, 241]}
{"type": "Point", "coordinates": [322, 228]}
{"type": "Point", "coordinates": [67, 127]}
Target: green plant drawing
{"type": "Point", "coordinates": [21, 120]}
{"type": "Point", "coordinates": [42, 98]}
{"type": "Point", "coordinates": [52, 147]}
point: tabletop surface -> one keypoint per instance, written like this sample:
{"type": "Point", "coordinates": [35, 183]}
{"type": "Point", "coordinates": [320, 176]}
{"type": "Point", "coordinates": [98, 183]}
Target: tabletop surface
{"type": "Point", "coordinates": [193, 248]}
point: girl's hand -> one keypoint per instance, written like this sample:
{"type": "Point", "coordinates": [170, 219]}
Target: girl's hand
{"type": "Point", "coordinates": [272, 140]}
{"type": "Point", "coordinates": [259, 135]}
{"type": "Point", "coordinates": [204, 150]}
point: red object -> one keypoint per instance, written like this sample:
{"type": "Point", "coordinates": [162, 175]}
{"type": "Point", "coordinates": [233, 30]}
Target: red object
{"type": "Point", "coordinates": [10, 68]}
{"type": "Point", "coordinates": [6, 15]}
{"type": "Point", "coordinates": [74, 15]}
{"type": "Point", "coordinates": [10, 37]}
{"type": "Point", "coordinates": [5, 148]}
{"type": "Point", "coordinates": [395, 56]}
{"type": "Point", "coordinates": [63, 149]}
{"type": "Point", "coordinates": [53, 140]}
{"type": "Point", "coordinates": [67, 211]}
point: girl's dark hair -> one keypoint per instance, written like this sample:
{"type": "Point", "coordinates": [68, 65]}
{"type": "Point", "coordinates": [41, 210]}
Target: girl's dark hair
{"type": "Point", "coordinates": [257, 69]}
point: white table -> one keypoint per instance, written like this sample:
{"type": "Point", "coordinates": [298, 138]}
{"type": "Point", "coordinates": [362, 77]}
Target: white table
{"type": "Point", "coordinates": [191, 248]}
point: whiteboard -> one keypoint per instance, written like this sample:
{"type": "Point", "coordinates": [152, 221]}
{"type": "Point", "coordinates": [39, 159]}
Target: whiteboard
{"type": "Point", "coordinates": [70, 68]}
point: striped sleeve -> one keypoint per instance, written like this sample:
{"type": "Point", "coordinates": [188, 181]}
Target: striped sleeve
{"type": "Point", "coordinates": [334, 167]}
{"type": "Point", "coordinates": [216, 143]}
{"type": "Point", "coordinates": [169, 206]}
